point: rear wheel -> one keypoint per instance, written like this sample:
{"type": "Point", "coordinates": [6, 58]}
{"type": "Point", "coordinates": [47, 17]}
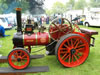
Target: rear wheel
{"type": "Point", "coordinates": [72, 50]}
{"type": "Point", "coordinates": [19, 58]}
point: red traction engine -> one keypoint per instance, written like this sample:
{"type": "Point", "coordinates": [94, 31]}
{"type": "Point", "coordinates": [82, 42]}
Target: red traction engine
{"type": "Point", "coordinates": [68, 42]}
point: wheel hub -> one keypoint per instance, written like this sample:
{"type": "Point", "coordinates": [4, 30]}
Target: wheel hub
{"type": "Point", "coordinates": [18, 59]}
{"type": "Point", "coordinates": [73, 51]}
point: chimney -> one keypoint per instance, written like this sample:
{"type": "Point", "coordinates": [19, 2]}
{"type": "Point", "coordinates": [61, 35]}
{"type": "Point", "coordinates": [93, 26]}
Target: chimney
{"type": "Point", "coordinates": [18, 17]}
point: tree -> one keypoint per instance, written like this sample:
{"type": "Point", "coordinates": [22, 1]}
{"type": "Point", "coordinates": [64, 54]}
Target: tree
{"type": "Point", "coordinates": [80, 4]}
{"type": "Point", "coordinates": [48, 11]}
{"type": "Point", "coordinates": [70, 4]}
{"type": "Point", "coordinates": [58, 7]}
{"type": "Point", "coordinates": [95, 3]}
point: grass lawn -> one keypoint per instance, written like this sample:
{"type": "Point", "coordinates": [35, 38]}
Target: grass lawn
{"type": "Point", "coordinates": [90, 67]}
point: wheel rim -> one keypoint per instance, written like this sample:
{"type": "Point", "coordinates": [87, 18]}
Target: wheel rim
{"type": "Point", "coordinates": [87, 24]}
{"type": "Point", "coordinates": [73, 51]}
{"type": "Point", "coordinates": [18, 59]}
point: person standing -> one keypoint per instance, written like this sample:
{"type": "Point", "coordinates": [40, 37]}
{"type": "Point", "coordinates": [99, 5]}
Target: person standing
{"type": "Point", "coordinates": [47, 20]}
{"type": "Point", "coordinates": [2, 31]}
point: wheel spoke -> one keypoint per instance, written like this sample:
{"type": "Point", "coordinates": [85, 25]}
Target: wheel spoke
{"type": "Point", "coordinates": [66, 46]}
{"type": "Point", "coordinates": [76, 58]}
{"type": "Point", "coordinates": [81, 53]}
{"type": "Point", "coordinates": [77, 44]}
{"type": "Point", "coordinates": [16, 53]}
{"type": "Point", "coordinates": [23, 56]}
{"type": "Point", "coordinates": [54, 31]}
{"type": "Point", "coordinates": [17, 63]}
{"type": "Point", "coordinates": [69, 58]}
{"type": "Point", "coordinates": [77, 55]}
{"type": "Point", "coordinates": [55, 25]}
{"type": "Point", "coordinates": [23, 61]}
{"type": "Point", "coordinates": [63, 49]}
{"type": "Point", "coordinates": [81, 46]}
{"type": "Point", "coordinates": [71, 42]}
{"type": "Point", "coordinates": [68, 43]}
{"type": "Point", "coordinates": [20, 53]}
{"type": "Point", "coordinates": [14, 60]}
{"type": "Point", "coordinates": [64, 55]}
{"type": "Point", "coordinates": [80, 49]}
{"type": "Point", "coordinates": [72, 58]}
{"type": "Point", "coordinates": [62, 31]}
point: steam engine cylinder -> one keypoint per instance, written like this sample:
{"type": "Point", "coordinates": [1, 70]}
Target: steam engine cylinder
{"type": "Point", "coordinates": [31, 39]}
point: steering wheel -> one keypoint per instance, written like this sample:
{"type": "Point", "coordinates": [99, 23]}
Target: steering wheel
{"type": "Point", "coordinates": [59, 27]}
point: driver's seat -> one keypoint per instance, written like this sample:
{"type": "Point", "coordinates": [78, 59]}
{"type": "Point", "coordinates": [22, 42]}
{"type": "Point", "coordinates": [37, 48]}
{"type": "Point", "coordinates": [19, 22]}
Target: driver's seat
{"type": "Point", "coordinates": [88, 31]}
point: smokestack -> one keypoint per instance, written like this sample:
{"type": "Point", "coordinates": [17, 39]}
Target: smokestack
{"type": "Point", "coordinates": [18, 16]}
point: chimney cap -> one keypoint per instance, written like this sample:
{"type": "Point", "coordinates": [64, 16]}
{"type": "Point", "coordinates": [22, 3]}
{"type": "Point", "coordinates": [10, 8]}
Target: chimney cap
{"type": "Point", "coordinates": [18, 9]}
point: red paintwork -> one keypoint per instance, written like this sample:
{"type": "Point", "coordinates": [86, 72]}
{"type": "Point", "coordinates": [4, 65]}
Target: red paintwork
{"type": "Point", "coordinates": [58, 34]}
{"type": "Point", "coordinates": [87, 37]}
{"type": "Point", "coordinates": [36, 39]}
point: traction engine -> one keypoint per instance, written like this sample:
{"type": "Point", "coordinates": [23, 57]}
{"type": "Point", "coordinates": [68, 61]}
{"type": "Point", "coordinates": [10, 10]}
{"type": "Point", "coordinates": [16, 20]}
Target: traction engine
{"type": "Point", "coordinates": [67, 41]}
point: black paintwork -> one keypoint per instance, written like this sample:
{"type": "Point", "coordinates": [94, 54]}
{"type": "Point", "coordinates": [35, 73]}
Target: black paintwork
{"type": "Point", "coordinates": [18, 40]}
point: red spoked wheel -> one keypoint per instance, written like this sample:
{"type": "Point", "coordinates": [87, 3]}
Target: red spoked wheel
{"type": "Point", "coordinates": [72, 50]}
{"type": "Point", "coordinates": [59, 27]}
{"type": "Point", "coordinates": [19, 58]}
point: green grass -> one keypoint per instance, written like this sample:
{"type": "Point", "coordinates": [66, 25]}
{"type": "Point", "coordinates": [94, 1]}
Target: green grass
{"type": "Point", "coordinates": [90, 67]}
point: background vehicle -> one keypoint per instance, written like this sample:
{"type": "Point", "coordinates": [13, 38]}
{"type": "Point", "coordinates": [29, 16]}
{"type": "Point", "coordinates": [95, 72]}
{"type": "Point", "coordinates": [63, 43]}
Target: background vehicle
{"type": "Point", "coordinates": [92, 21]}
{"type": "Point", "coordinates": [5, 22]}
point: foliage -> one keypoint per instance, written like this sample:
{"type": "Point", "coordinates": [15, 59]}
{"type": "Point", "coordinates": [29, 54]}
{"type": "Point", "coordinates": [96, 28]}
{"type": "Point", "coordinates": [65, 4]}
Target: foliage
{"type": "Point", "coordinates": [70, 4]}
{"type": "Point", "coordinates": [95, 3]}
{"type": "Point", "coordinates": [80, 4]}
{"type": "Point", "coordinates": [24, 5]}
{"type": "Point", "coordinates": [58, 7]}
{"type": "Point", "coordinates": [48, 12]}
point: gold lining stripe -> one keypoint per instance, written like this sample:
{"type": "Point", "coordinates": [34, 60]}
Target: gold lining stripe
{"type": "Point", "coordinates": [36, 39]}
{"type": "Point", "coordinates": [49, 38]}
{"type": "Point", "coordinates": [23, 39]}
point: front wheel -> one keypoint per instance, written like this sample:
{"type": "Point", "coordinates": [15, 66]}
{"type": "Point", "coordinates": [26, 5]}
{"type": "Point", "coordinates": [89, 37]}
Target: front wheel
{"type": "Point", "coordinates": [19, 58]}
{"type": "Point", "coordinates": [87, 24]}
{"type": "Point", "coordinates": [72, 50]}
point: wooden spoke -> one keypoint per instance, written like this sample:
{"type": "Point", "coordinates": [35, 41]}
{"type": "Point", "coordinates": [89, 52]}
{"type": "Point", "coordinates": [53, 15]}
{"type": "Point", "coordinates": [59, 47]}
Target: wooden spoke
{"type": "Point", "coordinates": [80, 49]}
{"type": "Point", "coordinates": [64, 55]}
{"type": "Point", "coordinates": [66, 46]}
{"type": "Point", "coordinates": [54, 31]}
{"type": "Point", "coordinates": [71, 42]}
{"type": "Point", "coordinates": [76, 58]}
{"type": "Point", "coordinates": [69, 59]}
{"type": "Point", "coordinates": [62, 48]}
{"type": "Point", "coordinates": [81, 46]}
{"type": "Point", "coordinates": [77, 44]}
